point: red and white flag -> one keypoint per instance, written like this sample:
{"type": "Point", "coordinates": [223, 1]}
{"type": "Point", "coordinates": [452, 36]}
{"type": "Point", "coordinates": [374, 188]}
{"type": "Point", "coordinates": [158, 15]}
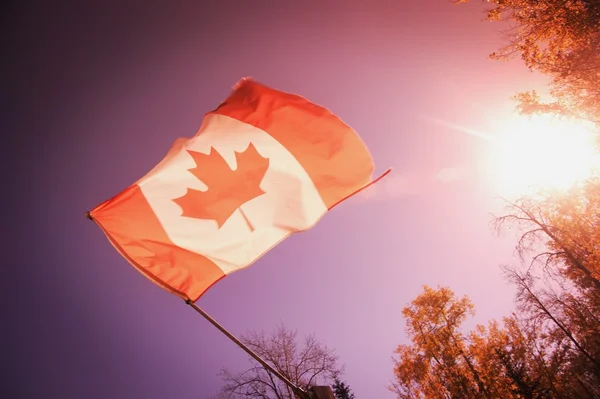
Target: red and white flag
{"type": "Point", "coordinates": [263, 165]}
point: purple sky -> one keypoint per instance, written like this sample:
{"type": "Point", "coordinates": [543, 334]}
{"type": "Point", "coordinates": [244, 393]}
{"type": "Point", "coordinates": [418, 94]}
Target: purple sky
{"type": "Point", "coordinates": [96, 94]}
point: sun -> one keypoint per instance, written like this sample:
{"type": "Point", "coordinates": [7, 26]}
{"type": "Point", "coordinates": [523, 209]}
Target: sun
{"type": "Point", "coordinates": [540, 153]}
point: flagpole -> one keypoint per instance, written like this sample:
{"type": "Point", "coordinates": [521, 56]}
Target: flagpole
{"type": "Point", "coordinates": [297, 391]}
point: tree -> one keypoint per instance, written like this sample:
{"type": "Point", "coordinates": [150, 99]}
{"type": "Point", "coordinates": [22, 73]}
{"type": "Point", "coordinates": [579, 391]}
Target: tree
{"type": "Point", "coordinates": [437, 364]}
{"type": "Point", "coordinates": [576, 346]}
{"type": "Point", "coordinates": [560, 289]}
{"type": "Point", "coordinates": [567, 227]}
{"type": "Point", "coordinates": [341, 390]}
{"type": "Point", "coordinates": [558, 38]}
{"type": "Point", "coordinates": [511, 352]}
{"type": "Point", "coordinates": [535, 355]}
{"type": "Point", "coordinates": [306, 365]}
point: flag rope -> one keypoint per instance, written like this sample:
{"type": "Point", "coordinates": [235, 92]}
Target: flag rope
{"type": "Point", "coordinates": [297, 391]}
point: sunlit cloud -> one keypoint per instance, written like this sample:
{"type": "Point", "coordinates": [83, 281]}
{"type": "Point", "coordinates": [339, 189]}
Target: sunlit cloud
{"type": "Point", "coordinates": [396, 185]}
{"type": "Point", "coordinates": [400, 185]}
{"type": "Point", "coordinates": [451, 174]}
{"type": "Point", "coordinates": [368, 193]}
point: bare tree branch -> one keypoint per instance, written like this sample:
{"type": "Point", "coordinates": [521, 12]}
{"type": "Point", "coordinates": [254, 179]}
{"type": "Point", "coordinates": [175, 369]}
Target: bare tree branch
{"type": "Point", "coordinates": [303, 365]}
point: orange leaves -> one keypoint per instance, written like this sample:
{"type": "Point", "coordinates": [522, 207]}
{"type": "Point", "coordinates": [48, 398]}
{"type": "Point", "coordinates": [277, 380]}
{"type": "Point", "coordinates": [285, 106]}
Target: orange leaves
{"type": "Point", "coordinates": [437, 309]}
{"type": "Point", "coordinates": [557, 38]}
{"type": "Point", "coordinates": [227, 189]}
{"type": "Point", "coordinates": [494, 14]}
{"type": "Point", "coordinates": [437, 362]}
{"type": "Point", "coordinates": [502, 360]}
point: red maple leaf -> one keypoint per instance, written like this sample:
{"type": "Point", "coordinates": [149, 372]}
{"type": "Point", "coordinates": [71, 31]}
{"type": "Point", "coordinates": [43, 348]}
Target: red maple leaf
{"type": "Point", "coordinates": [227, 189]}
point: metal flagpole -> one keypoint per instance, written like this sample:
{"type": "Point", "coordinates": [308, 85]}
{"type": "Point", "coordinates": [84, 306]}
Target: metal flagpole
{"type": "Point", "coordinates": [297, 391]}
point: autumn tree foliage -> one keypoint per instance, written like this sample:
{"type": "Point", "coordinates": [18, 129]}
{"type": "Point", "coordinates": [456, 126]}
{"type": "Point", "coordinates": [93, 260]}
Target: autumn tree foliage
{"type": "Point", "coordinates": [437, 363]}
{"type": "Point", "coordinates": [560, 289]}
{"type": "Point", "coordinates": [550, 346]}
{"type": "Point", "coordinates": [520, 357]}
{"type": "Point", "coordinates": [559, 38]}
{"type": "Point", "coordinates": [306, 364]}
{"type": "Point", "coordinates": [442, 361]}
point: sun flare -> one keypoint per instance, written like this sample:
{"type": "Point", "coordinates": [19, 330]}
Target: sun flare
{"type": "Point", "coordinates": [542, 153]}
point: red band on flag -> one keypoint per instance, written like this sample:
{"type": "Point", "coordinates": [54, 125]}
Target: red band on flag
{"type": "Point", "coordinates": [133, 229]}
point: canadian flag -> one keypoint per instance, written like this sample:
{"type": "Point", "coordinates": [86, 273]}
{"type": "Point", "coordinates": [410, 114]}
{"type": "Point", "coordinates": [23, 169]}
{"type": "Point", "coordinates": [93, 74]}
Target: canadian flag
{"type": "Point", "coordinates": [263, 165]}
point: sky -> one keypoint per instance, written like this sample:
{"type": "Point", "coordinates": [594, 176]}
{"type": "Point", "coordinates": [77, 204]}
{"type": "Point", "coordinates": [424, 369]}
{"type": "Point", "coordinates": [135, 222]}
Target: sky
{"type": "Point", "coordinates": [95, 94]}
